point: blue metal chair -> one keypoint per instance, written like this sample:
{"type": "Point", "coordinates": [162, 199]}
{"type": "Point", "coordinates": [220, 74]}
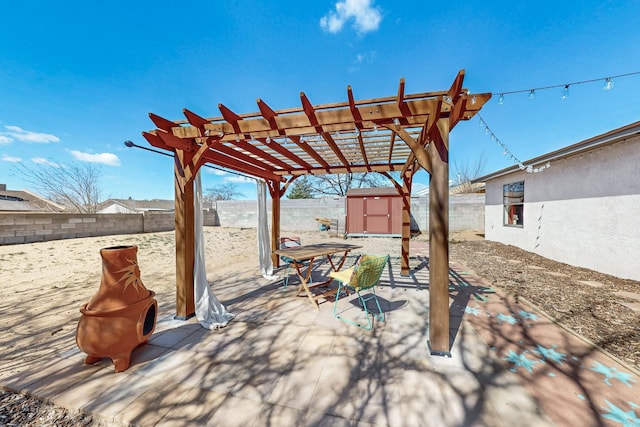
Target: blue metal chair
{"type": "Point", "coordinates": [290, 242]}
{"type": "Point", "coordinates": [363, 276]}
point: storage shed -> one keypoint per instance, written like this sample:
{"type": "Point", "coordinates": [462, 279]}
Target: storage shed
{"type": "Point", "coordinates": [374, 212]}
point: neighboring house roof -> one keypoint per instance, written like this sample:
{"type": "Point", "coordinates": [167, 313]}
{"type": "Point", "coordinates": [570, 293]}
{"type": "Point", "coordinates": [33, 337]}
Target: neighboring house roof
{"type": "Point", "coordinates": [599, 141]}
{"type": "Point", "coordinates": [139, 205]}
{"type": "Point", "coordinates": [26, 201]}
{"type": "Point", "coordinates": [467, 187]}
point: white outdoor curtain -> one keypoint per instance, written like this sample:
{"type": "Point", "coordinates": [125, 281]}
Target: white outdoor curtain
{"type": "Point", "coordinates": [209, 311]}
{"type": "Point", "coordinates": [264, 243]}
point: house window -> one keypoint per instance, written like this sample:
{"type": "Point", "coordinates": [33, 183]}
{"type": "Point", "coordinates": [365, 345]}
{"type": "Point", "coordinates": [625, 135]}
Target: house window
{"type": "Point", "coordinates": [513, 201]}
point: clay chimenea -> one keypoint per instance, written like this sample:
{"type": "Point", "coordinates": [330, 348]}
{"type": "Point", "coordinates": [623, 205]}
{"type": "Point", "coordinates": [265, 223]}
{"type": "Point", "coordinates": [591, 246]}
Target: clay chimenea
{"type": "Point", "coordinates": [122, 315]}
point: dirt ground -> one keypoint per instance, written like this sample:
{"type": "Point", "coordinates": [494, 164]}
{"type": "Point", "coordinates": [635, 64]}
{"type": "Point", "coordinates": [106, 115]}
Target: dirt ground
{"type": "Point", "coordinates": [71, 269]}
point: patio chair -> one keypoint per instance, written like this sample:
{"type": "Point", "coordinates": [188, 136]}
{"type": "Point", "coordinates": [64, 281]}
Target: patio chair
{"type": "Point", "coordinates": [290, 242]}
{"type": "Point", "coordinates": [363, 276]}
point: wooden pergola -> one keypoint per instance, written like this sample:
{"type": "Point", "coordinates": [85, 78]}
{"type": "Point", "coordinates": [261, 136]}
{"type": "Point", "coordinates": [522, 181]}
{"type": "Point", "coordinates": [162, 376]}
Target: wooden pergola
{"type": "Point", "coordinates": [401, 133]}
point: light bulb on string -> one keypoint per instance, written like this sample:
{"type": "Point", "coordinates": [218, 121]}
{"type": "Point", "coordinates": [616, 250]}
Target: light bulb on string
{"type": "Point", "coordinates": [473, 100]}
{"type": "Point", "coordinates": [565, 92]}
{"type": "Point", "coordinates": [501, 99]}
{"type": "Point", "coordinates": [532, 94]}
{"type": "Point", "coordinates": [608, 84]}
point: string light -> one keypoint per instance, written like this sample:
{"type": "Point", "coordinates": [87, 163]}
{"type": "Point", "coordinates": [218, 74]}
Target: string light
{"type": "Point", "coordinates": [608, 85]}
{"type": "Point", "coordinates": [507, 153]}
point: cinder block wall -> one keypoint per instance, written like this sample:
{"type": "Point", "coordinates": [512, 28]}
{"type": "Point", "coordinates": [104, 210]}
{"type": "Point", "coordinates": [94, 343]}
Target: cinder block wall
{"type": "Point", "coordinates": [466, 212]}
{"type": "Point", "coordinates": [39, 227]}
{"type": "Point", "coordinates": [32, 227]}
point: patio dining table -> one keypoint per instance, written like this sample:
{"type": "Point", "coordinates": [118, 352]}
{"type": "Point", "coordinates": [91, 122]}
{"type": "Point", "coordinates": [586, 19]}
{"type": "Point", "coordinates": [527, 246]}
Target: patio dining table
{"type": "Point", "coordinates": [308, 253]}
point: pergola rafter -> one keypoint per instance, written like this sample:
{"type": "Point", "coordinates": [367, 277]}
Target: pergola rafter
{"type": "Point", "coordinates": [401, 133]}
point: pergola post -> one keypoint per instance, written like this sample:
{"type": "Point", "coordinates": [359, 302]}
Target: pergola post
{"type": "Point", "coordinates": [439, 241]}
{"type": "Point", "coordinates": [276, 194]}
{"type": "Point", "coordinates": [407, 179]}
{"type": "Point", "coordinates": [185, 250]}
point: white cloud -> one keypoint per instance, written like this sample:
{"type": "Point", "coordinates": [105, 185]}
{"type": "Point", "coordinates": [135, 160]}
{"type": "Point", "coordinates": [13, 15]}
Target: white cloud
{"type": "Point", "coordinates": [237, 178]}
{"type": "Point", "coordinates": [216, 172]}
{"type": "Point", "coordinates": [17, 133]}
{"type": "Point", "coordinates": [362, 58]}
{"type": "Point", "coordinates": [11, 159]}
{"type": "Point", "coordinates": [366, 17]}
{"type": "Point", "coordinates": [43, 161]}
{"type": "Point", "coordinates": [105, 158]}
{"type": "Point", "coordinates": [5, 139]}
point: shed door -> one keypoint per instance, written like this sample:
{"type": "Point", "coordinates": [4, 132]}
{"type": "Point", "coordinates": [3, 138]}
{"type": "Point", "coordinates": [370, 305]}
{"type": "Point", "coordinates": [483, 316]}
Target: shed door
{"type": "Point", "coordinates": [377, 215]}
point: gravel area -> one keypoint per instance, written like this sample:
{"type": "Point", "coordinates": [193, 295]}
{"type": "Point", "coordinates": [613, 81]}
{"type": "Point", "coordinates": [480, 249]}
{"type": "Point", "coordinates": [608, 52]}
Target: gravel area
{"type": "Point", "coordinates": [585, 301]}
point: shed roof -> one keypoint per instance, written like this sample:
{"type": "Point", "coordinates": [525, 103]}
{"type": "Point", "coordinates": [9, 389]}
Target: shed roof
{"type": "Point", "coordinates": [375, 191]}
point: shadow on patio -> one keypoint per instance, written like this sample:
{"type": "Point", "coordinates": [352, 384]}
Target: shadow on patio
{"type": "Point", "coordinates": [282, 362]}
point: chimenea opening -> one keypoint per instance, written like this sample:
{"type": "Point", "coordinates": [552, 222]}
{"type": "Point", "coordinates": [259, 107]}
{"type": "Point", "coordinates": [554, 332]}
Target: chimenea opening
{"type": "Point", "coordinates": [149, 320]}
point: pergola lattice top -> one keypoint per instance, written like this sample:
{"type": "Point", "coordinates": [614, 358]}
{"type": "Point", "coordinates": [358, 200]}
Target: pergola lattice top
{"type": "Point", "coordinates": [351, 136]}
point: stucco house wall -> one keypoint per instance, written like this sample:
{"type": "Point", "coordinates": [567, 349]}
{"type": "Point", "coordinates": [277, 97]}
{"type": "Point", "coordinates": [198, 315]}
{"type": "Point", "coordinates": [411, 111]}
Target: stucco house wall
{"type": "Point", "coordinates": [584, 210]}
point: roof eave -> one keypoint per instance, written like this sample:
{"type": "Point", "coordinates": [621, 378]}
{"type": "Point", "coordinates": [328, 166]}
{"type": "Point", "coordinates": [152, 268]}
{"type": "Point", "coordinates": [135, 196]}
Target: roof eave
{"type": "Point", "coordinates": [603, 140]}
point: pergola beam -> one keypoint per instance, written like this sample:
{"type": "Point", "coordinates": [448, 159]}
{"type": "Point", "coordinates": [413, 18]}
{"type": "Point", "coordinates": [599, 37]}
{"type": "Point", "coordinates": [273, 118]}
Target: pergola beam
{"type": "Point", "coordinates": [338, 119]}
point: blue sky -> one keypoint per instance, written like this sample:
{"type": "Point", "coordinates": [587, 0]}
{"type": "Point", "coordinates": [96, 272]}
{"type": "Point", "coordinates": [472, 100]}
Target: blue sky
{"type": "Point", "coordinates": [79, 78]}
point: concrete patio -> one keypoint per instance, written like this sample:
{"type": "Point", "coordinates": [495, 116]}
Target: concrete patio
{"type": "Point", "coordinates": [282, 362]}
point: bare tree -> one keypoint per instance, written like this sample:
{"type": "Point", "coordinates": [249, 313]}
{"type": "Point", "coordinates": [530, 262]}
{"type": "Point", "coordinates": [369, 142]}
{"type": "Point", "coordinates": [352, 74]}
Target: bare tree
{"type": "Point", "coordinates": [221, 192]}
{"type": "Point", "coordinates": [339, 184]}
{"type": "Point", "coordinates": [467, 172]}
{"type": "Point", "coordinates": [75, 186]}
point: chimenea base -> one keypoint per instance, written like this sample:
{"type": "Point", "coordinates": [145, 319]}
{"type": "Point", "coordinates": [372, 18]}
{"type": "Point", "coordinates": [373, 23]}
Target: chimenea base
{"type": "Point", "coordinates": [122, 315]}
